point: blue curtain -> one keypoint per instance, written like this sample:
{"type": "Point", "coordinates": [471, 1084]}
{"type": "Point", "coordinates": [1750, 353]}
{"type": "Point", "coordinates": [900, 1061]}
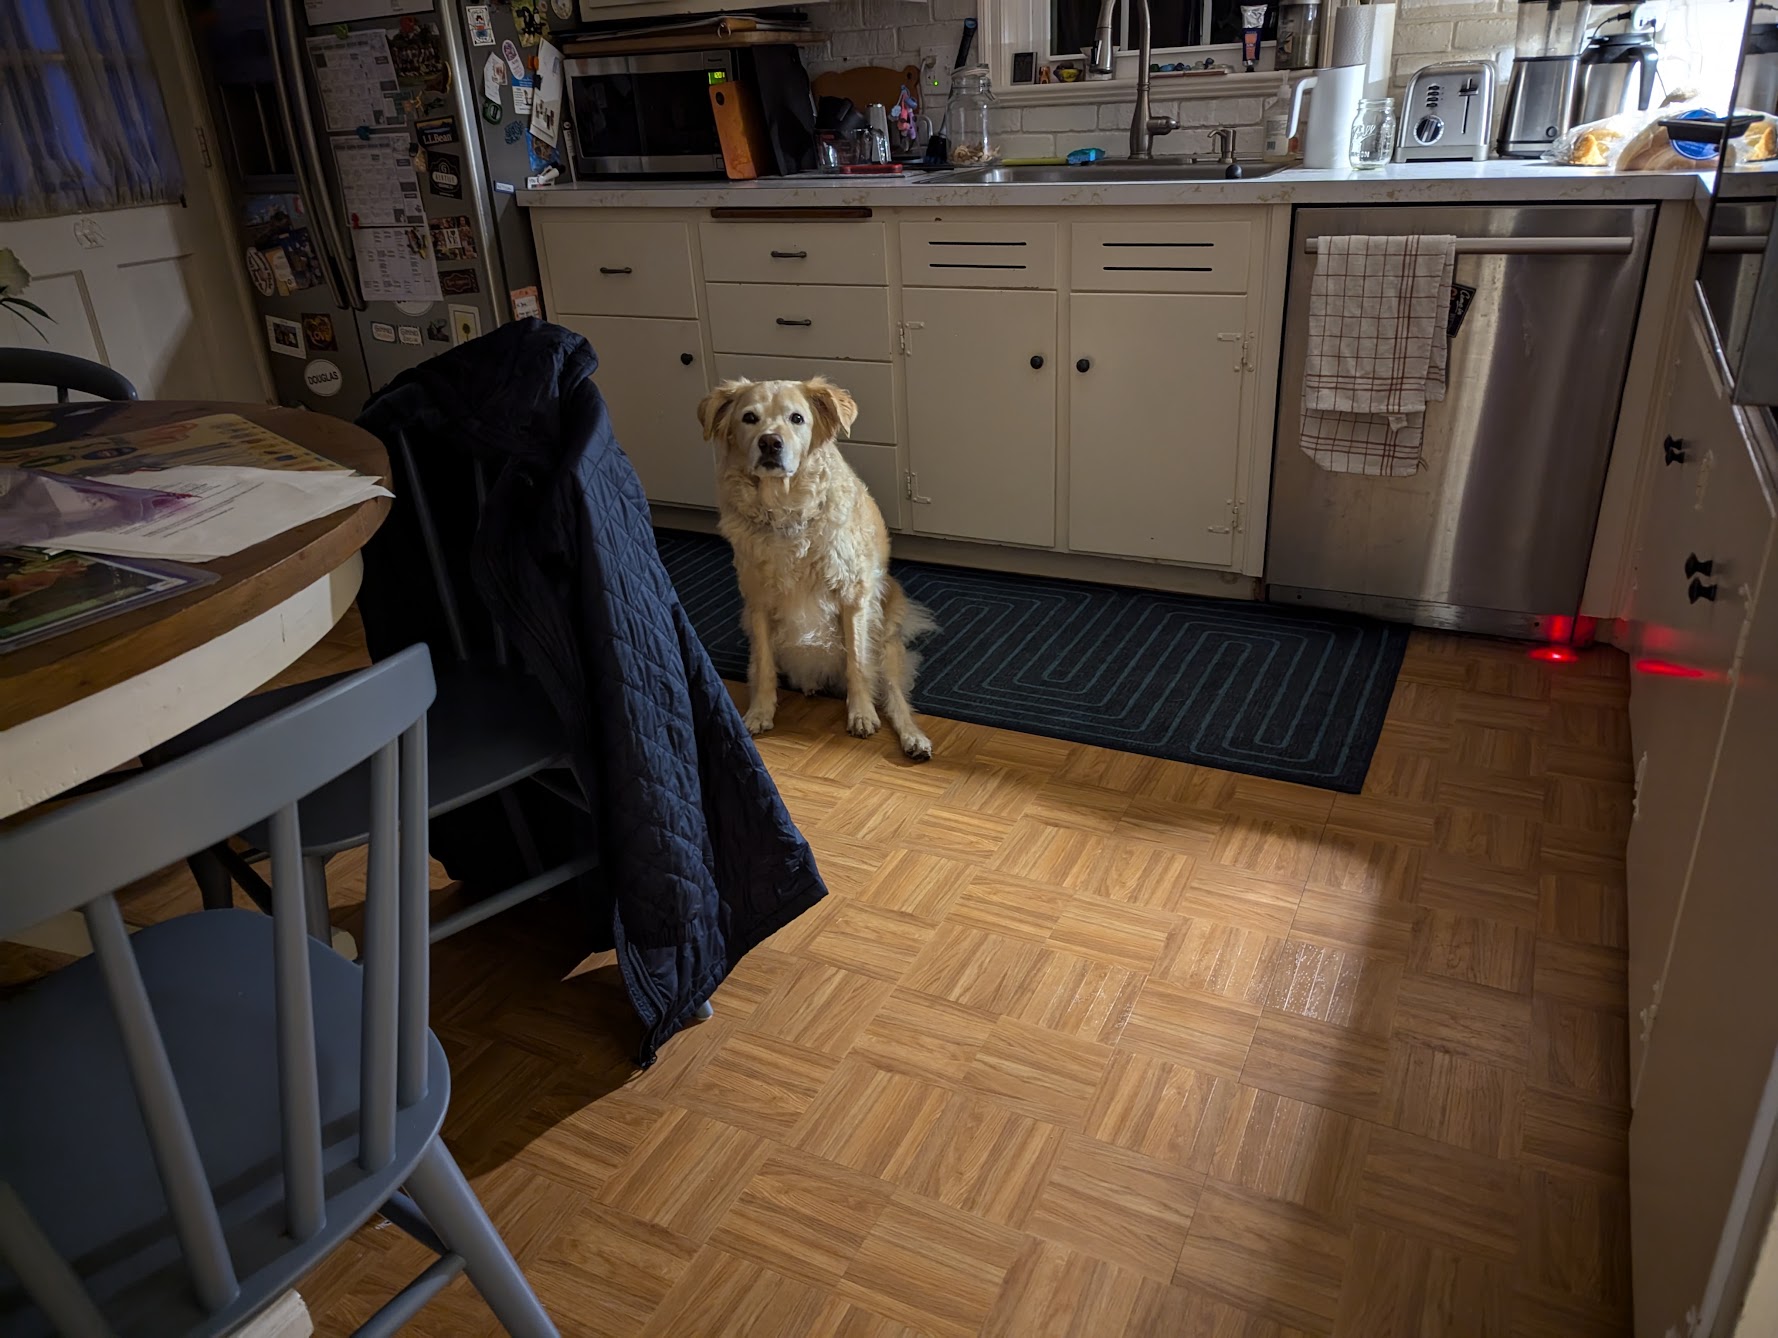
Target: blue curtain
{"type": "Point", "coordinates": [82, 123]}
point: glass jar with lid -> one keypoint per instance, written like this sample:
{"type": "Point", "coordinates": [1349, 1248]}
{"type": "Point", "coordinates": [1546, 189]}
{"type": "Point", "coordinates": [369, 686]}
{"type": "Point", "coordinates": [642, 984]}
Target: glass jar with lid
{"type": "Point", "coordinates": [1373, 133]}
{"type": "Point", "coordinates": [972, 98]}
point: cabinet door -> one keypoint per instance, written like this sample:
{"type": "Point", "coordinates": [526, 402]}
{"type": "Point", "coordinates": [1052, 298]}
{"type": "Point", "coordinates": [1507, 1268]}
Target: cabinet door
{"type": "Point", "coordinates": [652, 375]}
{"type": "Point", "coordinates": [981, 417]}
{"type": "Point", "coordinates": [1709, 507]}
{"type": "Point", "coordinates": [1713, 1047]}
{"type": "Point", "coordinates": [1155, 425]}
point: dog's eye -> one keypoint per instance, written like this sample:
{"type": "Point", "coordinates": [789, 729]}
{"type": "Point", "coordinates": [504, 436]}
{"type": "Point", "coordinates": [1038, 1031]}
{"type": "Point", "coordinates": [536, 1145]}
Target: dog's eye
{"type": "Point", "coordinates": [796, 418]}
{"type": "Point", "coordinates": [750, 417]}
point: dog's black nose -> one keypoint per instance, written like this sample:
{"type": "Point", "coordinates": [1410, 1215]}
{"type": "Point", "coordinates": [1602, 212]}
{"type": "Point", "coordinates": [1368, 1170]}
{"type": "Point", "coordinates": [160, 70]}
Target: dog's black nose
{"type": "Point", "coordinates": [770, 444]}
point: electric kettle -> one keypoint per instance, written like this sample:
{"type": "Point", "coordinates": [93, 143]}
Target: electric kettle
{"type": "Point", "coordinates": [1617, 74]}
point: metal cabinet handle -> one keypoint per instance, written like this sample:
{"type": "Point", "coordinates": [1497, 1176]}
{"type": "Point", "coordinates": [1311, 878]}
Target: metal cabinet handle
{"type": "Point", "coordinates": [1698, 590]}
{"type": "Point", "coordinates": [783, 321]}
{"type": "Point", "coordinates": [1673, 451]}
{"type": "Point", "coordinates": [607, 269]}
{"type": "Point", "coordinates": [685, 359]}
{"type": "Point", "coordinates": [790, 255]}
{"type": "Point", "coordinates": [1085, 364]}
{"type": "Point", "coordinates": [1037, 362]}
{"type": "Point", "coordinates": [1693, 567]}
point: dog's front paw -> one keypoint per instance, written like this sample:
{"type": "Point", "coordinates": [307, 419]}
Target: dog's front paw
{"type": "Point", "coordinates": [862, 721]}
{"type": "Point", "coordinates": [758, 719]}
{"type": "Point", "coordinates": [917, 746]}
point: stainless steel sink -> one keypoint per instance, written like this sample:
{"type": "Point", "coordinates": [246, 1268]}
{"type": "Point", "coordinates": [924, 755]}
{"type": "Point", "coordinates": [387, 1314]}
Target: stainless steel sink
{"type": "Point", "coordinates": [1120, 172]}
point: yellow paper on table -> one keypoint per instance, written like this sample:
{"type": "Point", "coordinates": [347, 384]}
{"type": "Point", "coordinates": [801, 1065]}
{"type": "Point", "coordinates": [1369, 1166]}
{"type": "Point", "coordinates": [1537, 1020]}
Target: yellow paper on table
{"type": "Point", "coordinates": [215, 439]}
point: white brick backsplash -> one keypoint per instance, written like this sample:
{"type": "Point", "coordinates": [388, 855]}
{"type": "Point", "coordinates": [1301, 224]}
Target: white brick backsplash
{"type": "Point", "coordinates": [1484, 34]}
{"type": "Point", "coordinates": [953, 9]}
{"type": "Point", "coordinates": [1115, 114]}
{"type": "Point", "coordinates": [1028, 146]}
{"type": "Point", "coordinates": [1074, 117]}
{"type": "Point", "coordinates": [1431, 39]}
{"type": "Point", "coordinates": [1004, 120]}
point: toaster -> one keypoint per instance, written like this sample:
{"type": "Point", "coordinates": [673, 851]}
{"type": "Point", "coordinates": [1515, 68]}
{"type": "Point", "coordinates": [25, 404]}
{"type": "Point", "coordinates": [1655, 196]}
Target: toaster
{"type": "Point", "coordinates": [1448, 113]}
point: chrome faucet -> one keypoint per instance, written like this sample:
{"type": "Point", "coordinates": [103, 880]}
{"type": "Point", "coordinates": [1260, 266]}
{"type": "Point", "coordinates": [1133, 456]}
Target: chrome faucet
{"type": "Point", "coordinates": [1222, 139]}
{"type": "Point", "coordinates": [1143, 126]}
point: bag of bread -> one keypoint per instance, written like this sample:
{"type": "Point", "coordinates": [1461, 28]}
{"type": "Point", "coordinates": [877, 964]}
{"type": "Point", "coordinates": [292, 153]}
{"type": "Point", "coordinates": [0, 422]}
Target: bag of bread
{"type": "Point", "coordinates": [1758, 145]}
{"type": "Point", "coordinates": [1597, 143]}
{"type": "Point", "coordinates": [1651, 150]}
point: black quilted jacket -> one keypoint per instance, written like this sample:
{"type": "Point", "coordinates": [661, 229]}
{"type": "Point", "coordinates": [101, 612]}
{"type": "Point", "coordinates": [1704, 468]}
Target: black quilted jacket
{"type": "Point", "coordinates": [698, 856]}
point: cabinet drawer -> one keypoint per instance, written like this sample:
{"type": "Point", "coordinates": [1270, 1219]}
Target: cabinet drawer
{"type": "Point", "coordinates": [771, 252]}
{"type": "Point", "coordinates": [617, 269]}
{"type": "Point", "coordinates": [807, 320]}
{"type": "Point", "coordinates": [978, 255]}
{"type": "Point", "coordinates": [870, 383]}
{"type": "Point", "coordinates": [1161, 257]}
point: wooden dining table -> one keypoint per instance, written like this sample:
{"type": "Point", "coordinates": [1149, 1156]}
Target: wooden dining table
{"type": "Point", "coordinates": [83, 702]}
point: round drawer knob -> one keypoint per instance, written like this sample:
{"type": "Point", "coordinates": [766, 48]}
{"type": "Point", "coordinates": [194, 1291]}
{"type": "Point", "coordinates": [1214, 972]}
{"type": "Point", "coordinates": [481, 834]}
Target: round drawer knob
{"type": "Point", "coordinates": [1084, 365]}
{"type": "Point", "coordinates": [1037, 362]}
{"type": "Point", "coordinates": [685, 359]}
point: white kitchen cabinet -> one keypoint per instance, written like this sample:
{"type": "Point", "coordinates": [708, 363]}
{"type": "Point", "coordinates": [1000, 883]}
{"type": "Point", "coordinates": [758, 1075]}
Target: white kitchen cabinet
{"type": "Point", "coordinates": [652, 375]}
{"type": "Point", "coordinates": [1713, 1047]}
{"type": "Point", "coordinates": [981, 396]}
{"type": "Point", "coordinates": [1154, 425]}
{"type": "Point", "coordinates": [1707, 527]}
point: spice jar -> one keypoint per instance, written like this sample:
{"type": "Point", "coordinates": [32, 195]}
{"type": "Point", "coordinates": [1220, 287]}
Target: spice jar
{"type": "Point", "coordinates": [972, 97]}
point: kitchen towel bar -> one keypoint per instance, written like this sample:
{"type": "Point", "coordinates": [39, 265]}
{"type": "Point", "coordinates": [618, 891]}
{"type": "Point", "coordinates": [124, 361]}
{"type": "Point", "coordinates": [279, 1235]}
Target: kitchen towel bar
{"type": "Point", "coordinates": [1529, 246]}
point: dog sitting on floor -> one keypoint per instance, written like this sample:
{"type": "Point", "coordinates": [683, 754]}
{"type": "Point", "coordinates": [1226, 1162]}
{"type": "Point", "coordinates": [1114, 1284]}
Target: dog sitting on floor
{"type": "Point", "coordinates": [812, 556]}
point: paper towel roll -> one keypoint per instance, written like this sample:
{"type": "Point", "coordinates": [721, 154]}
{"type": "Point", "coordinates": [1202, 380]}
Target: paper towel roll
{"type": "Point", "coordinates": [1352, 29]}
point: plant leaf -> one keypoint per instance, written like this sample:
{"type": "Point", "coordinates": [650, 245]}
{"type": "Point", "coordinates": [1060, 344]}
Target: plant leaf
{"type": "Point", "coordinates": [32, 306]}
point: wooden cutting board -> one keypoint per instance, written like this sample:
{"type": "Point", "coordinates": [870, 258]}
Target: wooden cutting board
{"type": "Point", "coordinates": [866, 84]}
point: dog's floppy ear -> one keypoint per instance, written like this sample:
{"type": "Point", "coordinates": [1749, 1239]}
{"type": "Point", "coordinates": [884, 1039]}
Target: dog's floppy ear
{"type": "Point", "coordinates": [714, 410]}
{"type": "Point", "coordinates": [835, 409]}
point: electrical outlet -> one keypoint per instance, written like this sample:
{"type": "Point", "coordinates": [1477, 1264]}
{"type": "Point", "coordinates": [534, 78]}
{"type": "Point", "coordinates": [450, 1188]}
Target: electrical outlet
{"type": "Point", "coordinates": [935, 70]}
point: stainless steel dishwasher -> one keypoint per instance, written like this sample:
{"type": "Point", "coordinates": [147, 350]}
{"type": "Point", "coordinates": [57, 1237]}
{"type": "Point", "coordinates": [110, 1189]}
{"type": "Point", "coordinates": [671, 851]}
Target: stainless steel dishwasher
{"type": "Point", "coordinates": [1494, 531]}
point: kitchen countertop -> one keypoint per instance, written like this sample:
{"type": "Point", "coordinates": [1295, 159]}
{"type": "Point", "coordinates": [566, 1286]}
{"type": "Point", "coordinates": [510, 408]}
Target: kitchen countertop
{"type": "Point", "coordinates": [1499, 181]}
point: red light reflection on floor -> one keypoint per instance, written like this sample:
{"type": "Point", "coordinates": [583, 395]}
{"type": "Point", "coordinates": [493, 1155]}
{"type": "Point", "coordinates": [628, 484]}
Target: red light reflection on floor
{"type": "Point", "coordinates": [1555, 654]}
{"type": "Point", "coordinates": [1667, 669]}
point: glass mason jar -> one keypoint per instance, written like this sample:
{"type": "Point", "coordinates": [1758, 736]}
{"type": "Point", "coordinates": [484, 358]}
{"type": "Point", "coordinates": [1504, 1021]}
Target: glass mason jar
{"type": "Point", "coordinates": [972, 97]}
{"type": "Point", "coordinates": [1373, 133]}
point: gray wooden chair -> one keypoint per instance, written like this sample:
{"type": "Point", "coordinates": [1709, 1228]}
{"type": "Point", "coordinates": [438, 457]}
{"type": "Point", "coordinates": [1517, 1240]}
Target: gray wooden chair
{"type": "Point", "coordinates": [64, 371]}
{"type": "Point", "coordinates": [194, 1116]}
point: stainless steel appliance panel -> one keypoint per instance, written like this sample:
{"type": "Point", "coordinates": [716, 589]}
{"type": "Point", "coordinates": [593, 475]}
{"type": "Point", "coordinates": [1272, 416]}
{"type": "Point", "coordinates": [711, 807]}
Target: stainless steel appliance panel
{"type": "Point", "coordinates": [646, 115]}
{"type": "Point", "coordinates": [1494, 532]}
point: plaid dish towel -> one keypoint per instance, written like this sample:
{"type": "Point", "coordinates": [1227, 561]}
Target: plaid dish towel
{"type": "Point", "coordinates": [1377, 350]}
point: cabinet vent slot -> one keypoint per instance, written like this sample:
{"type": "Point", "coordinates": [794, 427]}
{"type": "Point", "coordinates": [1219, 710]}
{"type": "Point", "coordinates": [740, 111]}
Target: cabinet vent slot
{"type": "Point", "coordinates": [1007, 243]}
{"type": "Point", "coordinates": [941, 264]}
{"type": "Point", "coordinates": [1157, 269]}
{"type": "Point", "coordinates": [1156, 245]}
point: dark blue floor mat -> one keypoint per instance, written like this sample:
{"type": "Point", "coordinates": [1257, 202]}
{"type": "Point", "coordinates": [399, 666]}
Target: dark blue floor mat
{"type": "Point", "coordinates": [1293, 694]}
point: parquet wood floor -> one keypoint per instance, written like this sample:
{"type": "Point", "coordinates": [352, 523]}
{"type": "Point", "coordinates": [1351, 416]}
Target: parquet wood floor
{"type": "Point", "coordinates": [1091, 1044]}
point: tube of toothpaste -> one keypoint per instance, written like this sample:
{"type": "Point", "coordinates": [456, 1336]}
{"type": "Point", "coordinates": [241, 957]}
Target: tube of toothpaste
{"type": "Point", "coordinates": [1253, 18]}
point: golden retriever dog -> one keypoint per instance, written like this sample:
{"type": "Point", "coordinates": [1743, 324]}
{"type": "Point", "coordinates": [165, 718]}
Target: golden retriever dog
{"type": "Point", "coordinates": [812, 555]}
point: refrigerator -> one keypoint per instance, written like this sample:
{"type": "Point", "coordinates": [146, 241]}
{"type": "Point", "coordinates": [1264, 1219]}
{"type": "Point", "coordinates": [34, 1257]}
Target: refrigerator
{"type": "Point", "coordinates": [373, 150]}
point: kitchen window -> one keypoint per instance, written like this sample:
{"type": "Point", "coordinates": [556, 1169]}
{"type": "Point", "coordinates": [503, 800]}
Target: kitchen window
{"type": "Point", "coordinates": [82, 124]}
{"type": "Point", "coordinates": [1179, 27]}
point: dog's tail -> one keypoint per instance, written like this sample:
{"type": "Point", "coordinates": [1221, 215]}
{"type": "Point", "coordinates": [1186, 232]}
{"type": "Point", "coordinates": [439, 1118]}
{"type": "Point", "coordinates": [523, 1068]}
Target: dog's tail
{"type": "Point", "coordinates": [903, 618]}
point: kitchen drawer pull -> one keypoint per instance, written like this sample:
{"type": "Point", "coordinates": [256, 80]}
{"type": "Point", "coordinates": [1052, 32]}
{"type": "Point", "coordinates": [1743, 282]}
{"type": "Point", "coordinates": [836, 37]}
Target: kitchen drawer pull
{"type": "Point", "coordinates": [785, 321]}
{"type": "Point", "coordinates": [1693, 567]}
{"type": "Point", "coordinates": [622, 269]}
{"type": "Point", "coordinates": [790, 255]}
{"type": "Point", "coordinates": [1698, 590]}
{"type": "Point", "coordinates": [1530, 246]}
{"type": "Point", "coordinates": [1673, 451]}
{"type": "Point", "coordinates": [685, 359]}
{"type": "Point", "coordinates": [1037, 362]}
{"type": "Point", "coordinates": [1085, 364]}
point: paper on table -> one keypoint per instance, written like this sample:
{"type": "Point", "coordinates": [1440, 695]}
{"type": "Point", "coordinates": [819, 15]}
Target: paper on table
{"type": "Point", "coordinates": [235, 508]}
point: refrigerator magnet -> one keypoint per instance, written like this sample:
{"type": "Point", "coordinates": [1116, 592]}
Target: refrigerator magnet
{"type": "Point", "coordinates": [259, 271]}
{"type": "Point", "coordinates": [322, 378]}
{"type": "Point", "coordinates": [521, 96]}
{"type": "Point", "coordinates": [526, 302]}
{"type": "Point", "coordinates": [409, 334]}
{"type": "Point", "coordinates": [466, 324]}
{"type": "Point", "coordinates": [413, 308]}
{"type": "Point", "coordinates": [563, 9]}
{"type": "Point", "coordinates": [382, 332]}
{"type": "Point", "coordinates": [532, 20]}
{"type": "Point", "coordinates": [318, 332]}
{"type": "Point", "coordinates": [447, 176]}
{"type": "Point", "coordinates": [493, 76]}
{"type": "Point", "coordinates": [481, 24]}
{"type": "Point", "coordinates": [439, 331]}
{"type": "Point", "coordinates": [453, 238]}
{"type": "Point", "coordinates": [284, 336]}
{"type": "Point", "coordinates": [515, 64]}
{"type": "Point", "coordinates": [458, 283]}
{"type": "Point", "coordinates": [436, 130]}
